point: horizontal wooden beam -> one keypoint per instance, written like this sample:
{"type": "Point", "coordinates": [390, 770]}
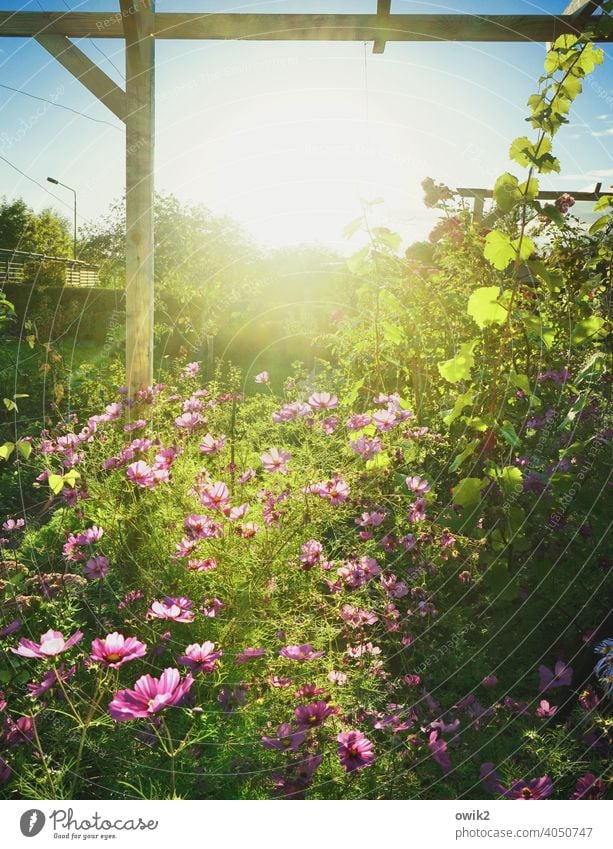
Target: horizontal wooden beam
{"type": "Point", "coordinates": [86, 72]}
{"type": "Point", "coordinates": [278, 27]}
{"type": "Point", "coordinates": [545, 195]}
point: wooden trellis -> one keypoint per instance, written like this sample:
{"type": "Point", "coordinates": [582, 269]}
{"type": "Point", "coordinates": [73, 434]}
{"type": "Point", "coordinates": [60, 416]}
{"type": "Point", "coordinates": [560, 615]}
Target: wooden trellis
{"type": "Point", "coordinates": [480, 195]}
{"type": "Point", "coordinates": [140, 26]}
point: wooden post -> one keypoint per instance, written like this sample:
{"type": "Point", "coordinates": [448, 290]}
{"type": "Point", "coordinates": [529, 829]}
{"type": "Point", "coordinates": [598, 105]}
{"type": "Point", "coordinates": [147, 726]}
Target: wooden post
{"type": "Point", "coordinates": [139, 26]}
{"type": "Point", "coordinates": [478, 208]}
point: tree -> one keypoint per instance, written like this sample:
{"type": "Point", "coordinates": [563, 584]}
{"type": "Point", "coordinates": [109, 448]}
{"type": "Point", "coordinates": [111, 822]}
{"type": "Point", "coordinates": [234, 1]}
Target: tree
{"type": "Point", "coordinates": [21, 229]}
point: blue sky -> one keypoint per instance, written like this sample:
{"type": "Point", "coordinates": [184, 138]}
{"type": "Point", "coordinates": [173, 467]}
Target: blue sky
{"type": "Point", "coordinates": [289, 138]}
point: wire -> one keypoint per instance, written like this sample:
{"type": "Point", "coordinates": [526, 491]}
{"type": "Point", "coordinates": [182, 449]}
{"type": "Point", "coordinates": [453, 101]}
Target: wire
{"type": "Point", "coordinates": [32, 180]}
{"type": "Point", "coordinates": [60, 106]}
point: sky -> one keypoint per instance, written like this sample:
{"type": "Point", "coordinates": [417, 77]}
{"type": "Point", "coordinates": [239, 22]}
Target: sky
{"type": "Point", "coordinates": [291, 139]}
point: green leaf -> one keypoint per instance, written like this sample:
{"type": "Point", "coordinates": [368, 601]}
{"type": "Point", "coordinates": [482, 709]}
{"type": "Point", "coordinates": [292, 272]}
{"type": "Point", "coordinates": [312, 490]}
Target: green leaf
{"type": "Point", "coordinates": [10, 405]}
{"type": "Point", "coordinates": [468, 491]}
{"type": "Point", "coordinates": [522, 151]}
{"type": "Point", "coordinates": [392, 333]}
{"type": "Point", "coordinates": [589, 328]}
{"type": "Point", "coordinates": [506, 192]}
{"type": "Point", "coordinates": [387, 237]}
{"type": "Point", "coordinates": [357, 263]}
{"type": "Point", "coordinates": [24, 448]}
{"type": "Point", "coordinates": [458, 368]}
{"type": "Point", "coordinates": [498, 249]}
{"type": "Point", "coordinates": [510, 434]}
{"type": "Point", "coordinates": [599, 224]}
{"type": "Point", "coordinates": [499, 583]}
{"type": "Point", "coordinates": [484, 308]}
{"type": "Point", "coordinates": [460, 402]}
{"type": "Point", "coordinates": [521, 381]}
{"type": "Point", "coordinates": [463, 455]}
{"type": "Point", "coordinates": [6, 450]}
{"type": "Point", "coordinates": [510, 480]}
{"type": "Point", "coordinates": [554, 214]}
{"type": "Point", "coordinates": [56, 483]}
{"type": "Point", "coordinates": [523, 248]}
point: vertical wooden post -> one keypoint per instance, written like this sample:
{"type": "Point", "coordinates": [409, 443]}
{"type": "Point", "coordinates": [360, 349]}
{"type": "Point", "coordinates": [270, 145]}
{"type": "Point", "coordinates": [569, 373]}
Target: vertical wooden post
{"type": "Point", "coordinates": [478, 208]}
{"type": "Point", "coordinates": [139, 21]}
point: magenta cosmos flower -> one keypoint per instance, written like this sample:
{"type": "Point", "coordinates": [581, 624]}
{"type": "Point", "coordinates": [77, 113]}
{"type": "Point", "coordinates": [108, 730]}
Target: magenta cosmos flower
{"type": "Point", "coordinates": [249, 654]}
{"type": "Point", "coordinates": [150, 696]}
{"type": "Point", "coordinates": [114, 650]}
{"type": "Point", "coordinates": [276, 460]}
{"type": "Point", "coordinates": [535, 788]}
{"type": "Point", "coordinates": [302, 652]}
{"type": "Point", "coordinates": [200, 658]}
{"type": "Point", "coordinates": [51, 644]}
{"type": "Point", "coordinates": [288, 739]}
{"type": "Point", "coordinates": [355, 751]}
{"type": "Point", "coordinates": [589, 787]}
{"type": "Point", "coordinates": [313, 715]}
{"type": "Point", "coordinates": [178, 609]}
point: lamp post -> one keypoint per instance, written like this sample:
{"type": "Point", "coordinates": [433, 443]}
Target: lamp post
{"type": "Point", "coordinates": [74, 221]}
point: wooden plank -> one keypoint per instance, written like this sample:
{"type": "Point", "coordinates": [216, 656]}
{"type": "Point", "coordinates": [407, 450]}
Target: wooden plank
{"type": "Point", "coordinates": [86, 72]}
{"type": "Point", "coordinates": [578, 9]}
{"type": "Point", "coordinates": [140, 129]}
{"type": "Point", "coordinates": [545, 195]}
{"type": "Point", "coordinates": [278, 27]}
{"type": "Point", "coordinates": [384, 8]}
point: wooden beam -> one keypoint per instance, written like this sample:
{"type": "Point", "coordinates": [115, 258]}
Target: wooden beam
{"type": "Point", "coordinates": [278, 27]}
{"type": "Point", "coordinates": [582, 10]}
{"type": "Point", "coordinates": [545, 195]}
{"type": "Point", "coordinates": [384, 8]}
{"type": "Point", "coordinates": [86, 72]}
{"type": "Point", "coordinates": [140, 129]}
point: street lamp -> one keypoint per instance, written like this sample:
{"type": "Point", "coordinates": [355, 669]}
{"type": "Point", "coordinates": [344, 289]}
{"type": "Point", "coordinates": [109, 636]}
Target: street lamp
{"type": "Point", "coordinates": [74, 223]}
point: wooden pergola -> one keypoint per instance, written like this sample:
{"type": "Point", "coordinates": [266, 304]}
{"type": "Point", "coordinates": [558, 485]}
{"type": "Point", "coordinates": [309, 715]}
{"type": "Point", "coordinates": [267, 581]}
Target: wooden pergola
{"type": "Point", "coordinates": [140, 26]}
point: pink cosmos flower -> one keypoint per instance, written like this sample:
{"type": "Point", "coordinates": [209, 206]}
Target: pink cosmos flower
{"type": "Point", "coordinates": [150, 696]}
{"type": "Point", "coordinates": [191, 369]}
{"type": "Point", "coordinates": [358, 421]}
{"type": "Point", "coordinates": [417, 511]}
{"type": "Point", "coordinates": [545, 709]}
{"type": "Point", "coordinates": [50, 679]}
{"type": "Point", "coordinates": [276, 460]}
{"type": "Point", "coordinates": [247, 475]}
{"type": "Point", "coordinates": [562, 676]}
{"type": "Point", "coordinates": [13, 626]}
{"type": "Point", "coordinates": [215, 496]}
{"type": "Point", "coordinates": [489, 681]}
{"type": "Point", "coordinates": [417, 484]}
{"type": "Point", "coordinates": [385, 420]}
{"type": "Point", "coordinates": [210, 607]}
{"type": "Point", "coordinates": [114, 650]}
{"type": "Point", "coordinates": [302, 652]}
{"type": "Point", "coordinates": [262, 377]}
{"type": "Point", "coordinates": [249, 654]}
{"type": "Point", "coordinates": [323, 401]}
{"type": "Point", "coordinates": [535, 788]}
{"type": "Point", "coordinates": [438, 750]}
{"type": "Point", "coordinates": [202, 565]}
{"type": "Point", "coordinates": [309, 691]}
{"type": "Point", "coordinates": [141, 474]}
{"type": "Point", "coordinates": [179, 609]}
{"type": "Point", "coordinates": [589, 787]}
{"type": "Point", "coordinates": [13, 524]}
{"type": "Point", "coordinates": [288, 739]}
{"type": "Point", "coordinates": [211, 444]}
{"type": "Point", "coordinates": [51, 644]}
{"type": "Point", "coordinates": [338, 678]}
{"type": "Point", "coordinates": [200, 658]}
{"type": "Point", "coordinates": [335, 490]}
{"type": "Point", "coordinates": [366, 448]}
{"type": "Point", "coordinates": [355, 750]}
{"type": "Point", "coordinates": [313, 715]}
{"type": "Point", "coordinates": [189, 421]}
{"type": "Point", "coordinates": [96, 567]}
{"type": "Point", "coordinates": [310, 553]}
{"type": "Point", "coordinates": [236, 513]}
